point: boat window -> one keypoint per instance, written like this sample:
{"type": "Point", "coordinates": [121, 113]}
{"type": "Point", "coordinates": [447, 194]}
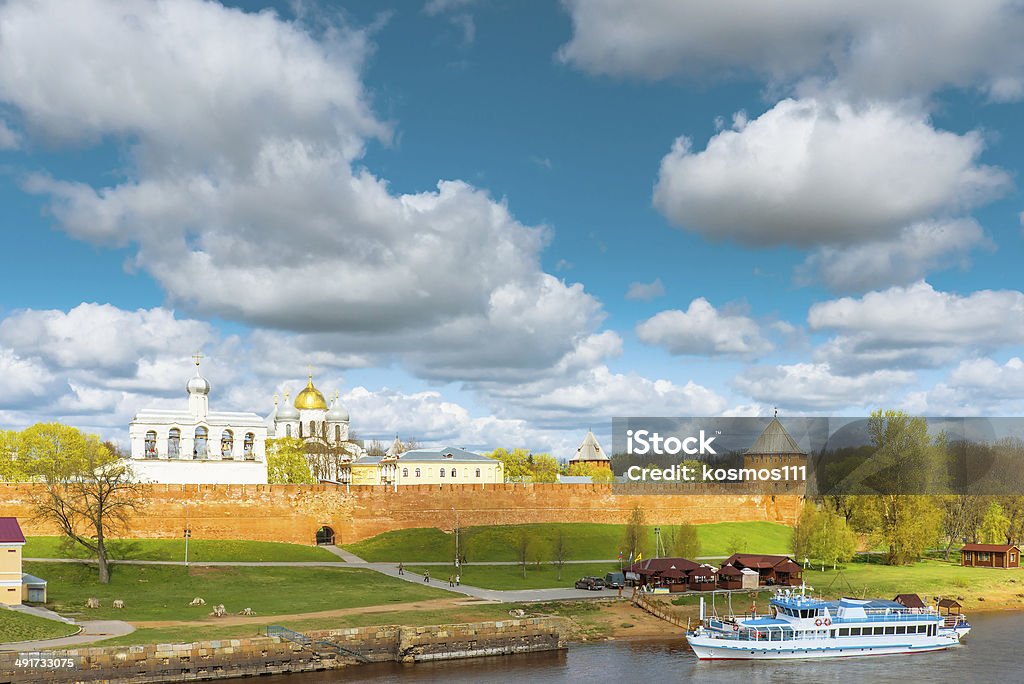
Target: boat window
{"type": "Point", "coordinates": [855, 631]}
{"type": "Point", "coordinates": [890, 629]}
{"type": "Point", "coordinates": [901, 629]}
{"type": "Point", "coordinates": [879, 630]}
{"type": "Point", "coordinates": [844, 631]}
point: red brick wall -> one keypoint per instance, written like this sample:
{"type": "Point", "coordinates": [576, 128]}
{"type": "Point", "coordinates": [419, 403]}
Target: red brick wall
{"type": "Point", "coordinates": [292, 513]}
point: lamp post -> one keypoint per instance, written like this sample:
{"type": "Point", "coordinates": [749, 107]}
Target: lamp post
{"type": "Point", "coordinates": [188, 531]}
{"type": "Point", "coordinates": [457, 561]}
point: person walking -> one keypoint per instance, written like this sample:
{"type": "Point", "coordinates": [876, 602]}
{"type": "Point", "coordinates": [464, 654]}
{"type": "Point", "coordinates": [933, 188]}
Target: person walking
{"type": "Point", "coordinates": [458, 580]}
{"type": "Point", "coordinates": [401, 569]}
{"type": "Point", "coordinates": [426, 576]}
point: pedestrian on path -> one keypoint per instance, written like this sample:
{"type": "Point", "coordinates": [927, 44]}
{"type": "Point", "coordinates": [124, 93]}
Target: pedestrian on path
{"type": "Point", "coordinates": [426, 576]}
{"type": "Point", "coordinates": [458, 580]}
{"type": "Point", "coordinates": [401, 569]}
{"type": "Point", "coordinates": [451, 581]}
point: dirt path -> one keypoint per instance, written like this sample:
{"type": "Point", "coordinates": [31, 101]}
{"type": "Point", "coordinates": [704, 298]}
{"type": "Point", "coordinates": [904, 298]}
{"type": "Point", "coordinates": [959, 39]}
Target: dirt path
{"type": "Point", "coordinates": [229, 620]}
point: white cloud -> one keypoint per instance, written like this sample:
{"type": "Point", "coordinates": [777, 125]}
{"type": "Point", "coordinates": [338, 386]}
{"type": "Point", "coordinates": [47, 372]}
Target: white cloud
{"type": "Point", "coordinates": [646, 291]}
{"type": "Point", "coordinates": [434, 7]}
{"type": "Point", "coordinates": [885, 49]}
{"type": "Point", "coordinates": [9, 140]}
{"type": "Point", "coordinates": [909, 257]}
{"type": "Point", "coordinates": [702, 329]}
{"type": "Point", "coordinates": [916, 326]}
{"type": "Point", "coordinates": [815, 387]}
{"type": "Point", "coordinates": [242, 199]}
{"type": "Point", "coordinates": [598, 393]}
{"type": "Point", "coordinates": [811, 172]}
{"type": "Point", "coordinates": [979, 386]}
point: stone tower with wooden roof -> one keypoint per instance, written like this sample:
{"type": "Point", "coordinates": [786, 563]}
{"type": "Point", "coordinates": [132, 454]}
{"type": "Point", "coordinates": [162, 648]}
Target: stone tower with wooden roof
{"type": "Point", "coordinates": [774, 448]}
{"type": "Point", "coordinates": [590, 452]}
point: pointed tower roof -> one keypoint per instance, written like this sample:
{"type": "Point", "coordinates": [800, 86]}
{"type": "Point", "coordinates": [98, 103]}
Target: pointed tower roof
{"type": "Point", "coordinates": [775, 440]}
{"type": "Point", "coordinates": [396, 448]}
{"type": "Point", "coordinates": [589, 449]}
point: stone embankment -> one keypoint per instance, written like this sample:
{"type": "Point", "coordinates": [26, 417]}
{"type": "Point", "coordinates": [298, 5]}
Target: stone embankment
{"type": "Point", "coordinates": [326, 650]}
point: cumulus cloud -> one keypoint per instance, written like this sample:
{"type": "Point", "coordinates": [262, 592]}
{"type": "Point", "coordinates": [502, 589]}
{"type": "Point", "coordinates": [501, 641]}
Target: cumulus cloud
{"type": "Point", "coordinates": [978, 386]}
{"type": "Point", "coordinates": [244, 198]}
{"type": "Point", "coordinates": [815, 387]}
{"type": "Point", "coordinates": [872, 48]}
{"type": "Point", "coordinates": [646, 291]}
{"type": "Point", "coordinates": [815, 172]}
{"type": "Point", "coordinates": [916, 251]}
{"type": "Point", "coordinates": [916, 326]}
{"type": "Point", "coordinates": [703, 330]}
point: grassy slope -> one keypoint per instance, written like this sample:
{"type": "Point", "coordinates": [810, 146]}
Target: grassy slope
{"type": "Point", "coordinates": [478, 613]}
{"type": "Point", "coordinates": [510, 577]}
{"type": "Point", "coordinates": [21, 627]}
{"type": "Point", "coordinates": [585, 541]}
{"type": "Point", "coordinates": [164, 592]}
{"type": "Point", "coordinates": [174, 550]}
{"type": "Point", "coordinates": [980, 587]}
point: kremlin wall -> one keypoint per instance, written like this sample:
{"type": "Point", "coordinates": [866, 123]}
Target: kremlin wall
{"type": "Point", "coordinates": [294, 513]}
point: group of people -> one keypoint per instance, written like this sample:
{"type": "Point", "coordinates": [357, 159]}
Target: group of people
{"type": "Point", "coordinates": [453, 580]}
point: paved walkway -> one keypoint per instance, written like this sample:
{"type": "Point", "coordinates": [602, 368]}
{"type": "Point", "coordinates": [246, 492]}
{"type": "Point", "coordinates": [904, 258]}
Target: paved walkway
{"type": "Point", "coordinates": [92, 630]}
{"type": "Point", "coordinates": [44, 613]}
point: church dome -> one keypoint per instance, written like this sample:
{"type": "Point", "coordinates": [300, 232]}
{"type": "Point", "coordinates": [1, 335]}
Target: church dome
{"type": "Point", "coordinates": [198, 384]}
{"type": "Point", "coordinates": [310, 398]}
{"type": "Point", "coordinates": [286, 411]}
{"type": "Point", "coordinates": [338, 413]}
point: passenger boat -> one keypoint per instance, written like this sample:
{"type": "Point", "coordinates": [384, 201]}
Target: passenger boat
{"type": "Point", "coordinates": [800, 626]}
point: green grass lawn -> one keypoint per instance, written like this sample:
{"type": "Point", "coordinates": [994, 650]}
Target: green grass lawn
{"type": "Point", "coordinates": [510, 577]}
{"type": "Point", "coordinates": [979, 587]}
{"type": "Point", "coordinates": [477, 613]}
{"type": "Point", "coordinates": [584, 541]}
{"type": "Point", "coordinates": [174, 550]}
{"type": "Point", "coordinates": [21, 627]}
{"type": "Point", "coordinates": [164, 592]}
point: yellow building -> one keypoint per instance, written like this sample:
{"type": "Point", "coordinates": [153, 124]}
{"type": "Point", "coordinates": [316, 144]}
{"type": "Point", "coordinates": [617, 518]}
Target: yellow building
{"type": "Point", "coordinates": [11, 542]}
{"type": "Point", "coordinates": [447, 465]}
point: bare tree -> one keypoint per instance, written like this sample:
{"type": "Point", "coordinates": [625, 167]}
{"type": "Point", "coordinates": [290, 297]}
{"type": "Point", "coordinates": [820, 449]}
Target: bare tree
{"type": "Point", "coordinates": [90, 495]}
{"type": "Point", "coordinates": [523, 550]}
{"type": "Point", "coordinates": [559, 551]}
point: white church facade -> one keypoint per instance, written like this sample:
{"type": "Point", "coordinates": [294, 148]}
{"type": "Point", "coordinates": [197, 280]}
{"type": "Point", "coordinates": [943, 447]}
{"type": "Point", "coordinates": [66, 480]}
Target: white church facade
{"type": "Point", "coordinates": [194, 445]}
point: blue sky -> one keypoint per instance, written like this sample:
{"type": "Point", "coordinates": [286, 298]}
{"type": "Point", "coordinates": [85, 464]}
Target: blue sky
{"type": "Point", "coordinates": [818, 210]}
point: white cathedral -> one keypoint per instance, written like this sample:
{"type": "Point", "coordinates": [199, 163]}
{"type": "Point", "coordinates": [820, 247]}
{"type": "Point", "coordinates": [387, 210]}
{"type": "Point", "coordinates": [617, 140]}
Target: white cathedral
{"type": "Point", "coordinates": [194, 445]}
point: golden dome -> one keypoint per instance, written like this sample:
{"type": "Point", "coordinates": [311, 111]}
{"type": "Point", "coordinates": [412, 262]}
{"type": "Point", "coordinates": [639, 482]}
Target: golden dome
{"type": "Point", "coordinates": [310, 398]}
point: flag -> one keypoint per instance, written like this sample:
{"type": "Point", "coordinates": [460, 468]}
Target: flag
{"type": "Point", "coordinates": [620, 555]}
{"type": "Point", "coordinates": [639, 556]}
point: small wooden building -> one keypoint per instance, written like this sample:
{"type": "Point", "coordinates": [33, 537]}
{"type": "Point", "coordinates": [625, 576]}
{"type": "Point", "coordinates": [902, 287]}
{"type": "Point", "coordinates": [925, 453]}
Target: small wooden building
{"type": "Point", "coordinates": [951, 606]}
{"type": "Point", "coordinates": [771, 570]}
{"type": "Point", "coordinates": [672, 573]}
{"type": "Point", "coordinates": [731, 577]}
{"type": "Point", "coordinates": [910, 601]}
{"type": "Point", "coordinates": [990, 556]}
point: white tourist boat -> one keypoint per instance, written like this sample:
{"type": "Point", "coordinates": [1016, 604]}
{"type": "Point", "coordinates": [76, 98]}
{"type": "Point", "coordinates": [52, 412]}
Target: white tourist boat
{"type": "Point", "coordinates": [800, 626]}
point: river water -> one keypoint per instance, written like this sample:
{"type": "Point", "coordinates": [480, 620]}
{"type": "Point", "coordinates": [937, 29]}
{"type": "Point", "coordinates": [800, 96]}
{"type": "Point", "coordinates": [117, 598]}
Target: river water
{"type": "Point", "coordinates": [994, 652]}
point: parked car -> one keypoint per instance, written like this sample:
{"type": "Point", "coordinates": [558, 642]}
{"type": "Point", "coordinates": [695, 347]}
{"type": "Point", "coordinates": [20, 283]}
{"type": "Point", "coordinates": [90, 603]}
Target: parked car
{"type": "Point", "coordinates": [590, 583]}
{"type": "Point", "coordinates": [614, 580]}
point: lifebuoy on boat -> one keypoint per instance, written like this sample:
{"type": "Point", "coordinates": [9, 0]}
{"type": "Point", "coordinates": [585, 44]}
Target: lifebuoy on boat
{"type": "Point", "coordinates": [817, 623]}
{"type": "Point", "coordinates": [828, 621]}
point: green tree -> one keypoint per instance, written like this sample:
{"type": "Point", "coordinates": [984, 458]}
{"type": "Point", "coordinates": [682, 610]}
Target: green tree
{"type": "Point", "coordinates": [905, 467]}
{"type": "Point", "coordinates": [598, 474]}
{"type": "Point", "coordinates": [636, 533]}
{"type": "Point", "coordinates": [823, 535]}
{"type": "Point", "coordinates": [994, 525]}
{"type": "Point", "coordinates": [287, 463]}
{"type": "Point", "coordinates": [544, 468]}
{"type": "Point", "coordinates": [89, 490]}
{"type": "Point", "coordinates": [12, 467]}
{"type": "Point", "coordinates": [960, 519]}
{"type": "Point", "coordinates": [684, 541]}
{"type": "Point", "coordinates": [516, 463]}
